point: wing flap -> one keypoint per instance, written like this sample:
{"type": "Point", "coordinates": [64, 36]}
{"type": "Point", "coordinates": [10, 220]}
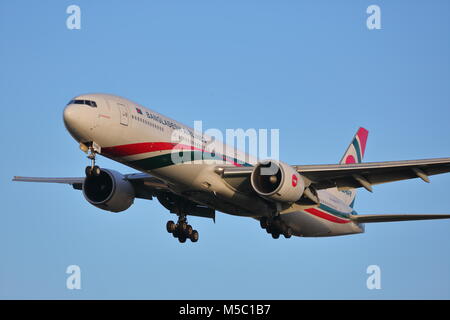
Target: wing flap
{"type": "Point", "coordinates": [371, 218]}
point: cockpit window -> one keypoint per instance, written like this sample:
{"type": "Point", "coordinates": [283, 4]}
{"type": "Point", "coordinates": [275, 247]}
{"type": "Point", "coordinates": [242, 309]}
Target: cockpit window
{"type": "Point", "coordinates": [87, 102]}
{"type": "Point", "coordinates": [91, 103]}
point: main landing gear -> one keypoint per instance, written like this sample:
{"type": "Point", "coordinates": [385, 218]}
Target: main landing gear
{"type": "Point", "coordinates": [92, 170]}
{"type": "Point", "coordinates": [181, 207]}
{"type": "Point", "coordinates": [182, 230]}
{"type": "Point", "coordinates": [276, 227]}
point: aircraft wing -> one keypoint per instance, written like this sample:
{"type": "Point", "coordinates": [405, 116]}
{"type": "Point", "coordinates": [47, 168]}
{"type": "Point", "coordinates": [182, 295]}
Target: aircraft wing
{"type": "Point", "coordinates": [145, 187]}
{"type": "Point", "coordinates": [359, 175]}
{"type": "Point", "coordinates": [369, 218]}
{"type": "Point", "coordinates": [144, 184]}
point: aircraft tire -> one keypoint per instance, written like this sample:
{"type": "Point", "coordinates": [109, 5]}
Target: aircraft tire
{"type": "Point", "coordinates": [182, 226]}
{"type": "Point", "coordinates": [171, 226]}
{"type": "Point", "coordinates": [189, 230]}
{"type": "Point", "coordinates": [96, 171]}
{"type": "Point", "coordinates": [263, 222]}
{"type": "Point", "coordinates": [194, 236]}
{"type": "Point", "coordinates": [288, 233]}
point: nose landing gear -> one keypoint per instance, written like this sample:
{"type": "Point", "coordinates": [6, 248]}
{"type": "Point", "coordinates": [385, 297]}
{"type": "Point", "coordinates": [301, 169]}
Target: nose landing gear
{"type": "Point", "coordinates": [92, 170]}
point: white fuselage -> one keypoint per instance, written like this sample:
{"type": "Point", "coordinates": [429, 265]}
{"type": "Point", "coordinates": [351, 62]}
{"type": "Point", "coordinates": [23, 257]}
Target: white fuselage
{"type": "Point", "coordinates": [143, 139]}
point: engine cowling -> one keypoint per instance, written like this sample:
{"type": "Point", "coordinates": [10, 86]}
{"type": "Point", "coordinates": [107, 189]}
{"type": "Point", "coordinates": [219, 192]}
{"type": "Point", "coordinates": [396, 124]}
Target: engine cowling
{"type": "Point", "coordinates": [277, 181]}
{"type": "Point", "coordinates": [109, 191]}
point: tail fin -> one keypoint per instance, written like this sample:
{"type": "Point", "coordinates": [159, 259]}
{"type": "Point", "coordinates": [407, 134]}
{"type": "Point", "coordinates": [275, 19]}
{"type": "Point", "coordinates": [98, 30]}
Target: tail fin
{"type": "Point", "coordinates": [356, 149]}
{"type": "Point", "coordinates": [353, 154]}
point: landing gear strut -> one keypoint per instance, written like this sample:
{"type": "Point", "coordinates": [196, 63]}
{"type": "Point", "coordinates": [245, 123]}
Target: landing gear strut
{"type": "Point", "coordinates": [275, 226]}
{"type": "Point", "coordinates": [92, 170]}
{"type": "Point", "coordinates": [182, 230]}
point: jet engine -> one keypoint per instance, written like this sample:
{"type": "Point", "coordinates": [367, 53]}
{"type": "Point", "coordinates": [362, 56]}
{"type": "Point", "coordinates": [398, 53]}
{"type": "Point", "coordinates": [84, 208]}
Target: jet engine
{"type": "Point", "coordinates": [109, 191]}
{"type": "Point", "coordinates": [277, 181]}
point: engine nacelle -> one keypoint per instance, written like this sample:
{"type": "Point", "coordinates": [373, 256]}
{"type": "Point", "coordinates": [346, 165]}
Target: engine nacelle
{"type": "Point", "coordinates": [277, 181]}
{"type": "Point", "coordinates": [109, 191]}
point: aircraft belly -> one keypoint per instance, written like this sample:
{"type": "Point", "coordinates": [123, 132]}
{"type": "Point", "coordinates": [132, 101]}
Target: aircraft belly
{"type": "Point", "coordinates": [200, 183]}
{"type": "Point", "coordinates": [305, 224]}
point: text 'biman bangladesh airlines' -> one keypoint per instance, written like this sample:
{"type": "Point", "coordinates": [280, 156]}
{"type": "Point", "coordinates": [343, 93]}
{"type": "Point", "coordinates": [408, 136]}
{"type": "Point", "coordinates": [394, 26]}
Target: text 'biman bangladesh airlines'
{"type": "Point", "coordinates": [189, 179]}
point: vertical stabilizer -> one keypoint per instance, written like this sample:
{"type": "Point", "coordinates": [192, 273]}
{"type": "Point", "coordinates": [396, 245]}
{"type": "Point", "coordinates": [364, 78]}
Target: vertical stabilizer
{"type": "Point", "coordinates": [353, 154]}
{"type": "Point", "coordinates": [356, 149]}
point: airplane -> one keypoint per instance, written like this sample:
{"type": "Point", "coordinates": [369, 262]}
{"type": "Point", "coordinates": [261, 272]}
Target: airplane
{"type": "Point", "coordinates": [189, 179]}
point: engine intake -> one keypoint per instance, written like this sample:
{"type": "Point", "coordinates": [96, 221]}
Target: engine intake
{"type": "Point", "coordinates": [277, 181]}
{"type": "Point", "coordinates": [109, 191]}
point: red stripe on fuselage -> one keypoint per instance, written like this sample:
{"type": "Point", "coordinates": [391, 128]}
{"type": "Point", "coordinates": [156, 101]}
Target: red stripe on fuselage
{"type": "Point", "coordinates": [326, 216]}
{"type": "Point", "coordinates": [144, 147]}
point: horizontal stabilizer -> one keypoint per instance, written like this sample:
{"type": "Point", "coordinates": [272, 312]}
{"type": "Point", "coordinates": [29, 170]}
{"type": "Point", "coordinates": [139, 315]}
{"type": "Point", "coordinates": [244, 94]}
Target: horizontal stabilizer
{"type": "Point", "coordinates": [369, 218]}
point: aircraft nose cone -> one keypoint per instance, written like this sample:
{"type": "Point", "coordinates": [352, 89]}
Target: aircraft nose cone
{"type": "Point", "coordinates": [71, 116]}
{"type": "Point", "coordinates": [78, 121]}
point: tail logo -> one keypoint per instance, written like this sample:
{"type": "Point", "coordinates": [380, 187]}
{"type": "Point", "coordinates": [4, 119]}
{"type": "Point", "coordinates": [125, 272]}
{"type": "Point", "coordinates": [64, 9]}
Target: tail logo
{"type": "Point", "coordinates": [350, 159]}
{"type": "Point", "coordinates": [356, 149]}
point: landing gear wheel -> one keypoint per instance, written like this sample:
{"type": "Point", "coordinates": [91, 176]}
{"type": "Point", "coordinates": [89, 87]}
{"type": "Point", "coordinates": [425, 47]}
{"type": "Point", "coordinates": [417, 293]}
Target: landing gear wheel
{"type": "Point", "coordinates": [171, 226]}
{"type": "Point", "coordinates": [183, 226]}
{"type": "Point", "coordinates": [194, 236]}
{"type": "Point", "coordinates": [96, 171]}
{"type": "Point", "coordinates": [288, 233]}
{"type": "Point", "coordinates": [189, 230]}
{"type": "Point", "coordinates": [182, 239]}
{"type": "Point", "coordinates": [264, 222]}
{"type": "Point", "coordinates": [275, 235]}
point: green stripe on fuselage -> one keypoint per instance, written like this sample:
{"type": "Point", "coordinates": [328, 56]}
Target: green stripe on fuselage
{"type": "Point", "coordinates": [168, 159]}
{"type": "Point", "coordinates": [334, 212]}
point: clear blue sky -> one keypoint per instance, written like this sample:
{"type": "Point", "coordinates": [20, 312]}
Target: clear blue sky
{"type": "Point", "coordinates": [310, 68]}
